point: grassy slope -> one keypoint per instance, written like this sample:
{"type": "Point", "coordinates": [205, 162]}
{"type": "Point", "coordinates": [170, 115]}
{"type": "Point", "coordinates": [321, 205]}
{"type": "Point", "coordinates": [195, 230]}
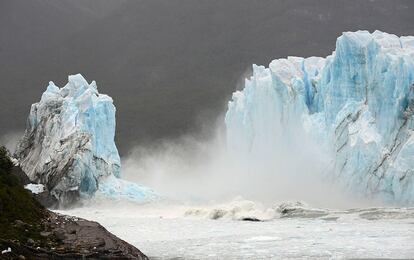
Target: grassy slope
{"type": "Point", "coordinates": [23, 220]}
{"type": "Point", "coordinates": [16, 203]}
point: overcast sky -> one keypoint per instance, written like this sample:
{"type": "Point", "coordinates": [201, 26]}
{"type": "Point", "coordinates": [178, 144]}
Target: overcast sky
{"type": "Point", "coordinates": [168, 64]}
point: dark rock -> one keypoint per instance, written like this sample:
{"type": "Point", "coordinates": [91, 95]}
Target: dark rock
{"type": "Point", "coordinates": [19, 223]}
{"type": "Point", "coordinates": [251, 219]}
{"type": "Point", "coordinates": [46, 199]}
{"type": "Point", "coordinates": [89, 239]}
{"type": "Point", "coordinates": [30, 242]}
{"type": "Point", "coordinates": [74, 238]}
{"type": "Point", "coordinates": [21, 175]}
{"type": "Point", "coordinates": [45, 234]}
{"type": "Point", "coordinates": [59, 234]}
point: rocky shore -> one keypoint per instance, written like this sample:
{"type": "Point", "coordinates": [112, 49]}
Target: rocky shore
{"type": "Point", "coordinates": [29, 231]}
{"type": "Point", "coordinates": [64, 237]}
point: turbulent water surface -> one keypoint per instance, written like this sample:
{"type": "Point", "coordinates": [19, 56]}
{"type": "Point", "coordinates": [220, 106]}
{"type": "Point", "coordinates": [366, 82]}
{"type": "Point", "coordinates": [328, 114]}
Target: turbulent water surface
{"type": "Point", "coordinates": [289, 231]}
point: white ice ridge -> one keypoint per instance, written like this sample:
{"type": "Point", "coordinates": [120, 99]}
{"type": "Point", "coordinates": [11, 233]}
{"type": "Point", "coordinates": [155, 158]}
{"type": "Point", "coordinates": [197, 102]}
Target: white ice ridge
{"type": "Point", "coordinates": [357, 104]}
{"type": "Point", "coordinates": [69, 141]}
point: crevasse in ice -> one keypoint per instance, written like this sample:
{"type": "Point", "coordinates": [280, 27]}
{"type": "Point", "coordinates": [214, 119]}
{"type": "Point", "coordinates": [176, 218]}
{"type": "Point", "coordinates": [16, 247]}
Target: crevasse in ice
{"type": "Point", "coordinates": [69, 143]}
{"type": "Point", "coordinates": [357, 104]}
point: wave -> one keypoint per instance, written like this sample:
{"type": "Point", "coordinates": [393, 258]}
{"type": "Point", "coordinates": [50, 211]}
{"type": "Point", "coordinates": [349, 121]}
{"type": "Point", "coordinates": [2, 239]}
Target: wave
{"type": "Point", "coordinates": [246, 210]}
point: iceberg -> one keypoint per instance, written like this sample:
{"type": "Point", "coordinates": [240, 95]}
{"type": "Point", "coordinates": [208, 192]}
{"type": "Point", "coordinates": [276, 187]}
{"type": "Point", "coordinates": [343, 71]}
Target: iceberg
{"type": "Point", "coordinates": [356, 105]}
{"type": "Point", "coordinates": [69, 146]}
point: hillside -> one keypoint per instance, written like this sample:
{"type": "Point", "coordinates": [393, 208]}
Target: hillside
{"type": "Point", "coordinates": [29, 231]}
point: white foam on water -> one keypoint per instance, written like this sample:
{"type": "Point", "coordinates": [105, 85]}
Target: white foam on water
{"type": "Point", "coordinates": [165, 231]}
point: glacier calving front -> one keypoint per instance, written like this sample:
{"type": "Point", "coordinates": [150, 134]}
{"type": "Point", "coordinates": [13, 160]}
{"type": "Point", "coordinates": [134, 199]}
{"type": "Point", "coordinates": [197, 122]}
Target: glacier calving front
{"type": "Point", "coordinates": [69, 144]}
{"type": "Point", "coordinates": [357, 103]}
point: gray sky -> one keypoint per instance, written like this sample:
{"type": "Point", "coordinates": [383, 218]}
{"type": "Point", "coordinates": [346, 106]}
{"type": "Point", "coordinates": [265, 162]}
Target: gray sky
{"type": "Point", "coordinates": [168, 64]}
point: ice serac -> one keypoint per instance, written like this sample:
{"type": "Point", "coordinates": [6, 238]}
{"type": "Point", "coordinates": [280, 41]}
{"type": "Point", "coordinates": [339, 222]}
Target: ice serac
{"type": "Point", "coordinates": [69, 143]}
{"type": "Point", "coordinates": [356, 104]}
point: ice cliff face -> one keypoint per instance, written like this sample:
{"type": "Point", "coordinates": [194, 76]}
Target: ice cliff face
{"type": "Point", "coordinates": [69, 142]}
{"type": "Point", "coordinates": [357, 105]}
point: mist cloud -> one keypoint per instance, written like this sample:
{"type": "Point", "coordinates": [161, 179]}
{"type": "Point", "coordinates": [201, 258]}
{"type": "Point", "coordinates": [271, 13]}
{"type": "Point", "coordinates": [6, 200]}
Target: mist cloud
{"type": "Point", "coordinates": [191, 170]}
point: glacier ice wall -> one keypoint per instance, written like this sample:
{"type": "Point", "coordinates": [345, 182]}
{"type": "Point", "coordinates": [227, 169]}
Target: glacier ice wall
{"type": "Point", "coordinates": [69, 143]}
{"type": "Point", "coordinates": [356, 105]}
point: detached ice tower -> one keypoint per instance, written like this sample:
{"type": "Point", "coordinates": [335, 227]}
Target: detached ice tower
{"type": "Point", "coordinates": [69, 144]}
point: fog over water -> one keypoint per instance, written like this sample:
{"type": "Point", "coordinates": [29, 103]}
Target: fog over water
{"type": "Point", "coordinates": [190, 170]}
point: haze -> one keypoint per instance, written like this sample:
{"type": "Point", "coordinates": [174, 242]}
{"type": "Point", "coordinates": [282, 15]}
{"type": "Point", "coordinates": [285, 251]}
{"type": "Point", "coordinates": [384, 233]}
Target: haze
{"type": "Point", "coordinates": [168, 64]}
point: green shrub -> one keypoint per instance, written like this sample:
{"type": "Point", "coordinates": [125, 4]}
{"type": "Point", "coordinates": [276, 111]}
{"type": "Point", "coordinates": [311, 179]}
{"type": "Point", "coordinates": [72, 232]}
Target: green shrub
{"type": "Point", "coordinates": [16, 203]}
{"type": "Point", "coordinates": [5, 163]}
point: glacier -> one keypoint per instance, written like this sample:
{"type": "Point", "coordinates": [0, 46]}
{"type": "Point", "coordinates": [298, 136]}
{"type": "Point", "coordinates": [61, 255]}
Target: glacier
{"type": "Point", "coordinates": [69, 145]}
{"type": "Point", "coordinates": [356, 105]}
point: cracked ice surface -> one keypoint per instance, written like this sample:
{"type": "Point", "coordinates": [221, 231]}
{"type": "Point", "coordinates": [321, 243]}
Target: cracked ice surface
{"type": "Point", "coordinates": [356, 104]}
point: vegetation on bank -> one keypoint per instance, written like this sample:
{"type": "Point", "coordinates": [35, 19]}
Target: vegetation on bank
{"type": "Point", "coordinates": [21, 216]}
{"type": "Point", "coordinates": [29, 231]}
